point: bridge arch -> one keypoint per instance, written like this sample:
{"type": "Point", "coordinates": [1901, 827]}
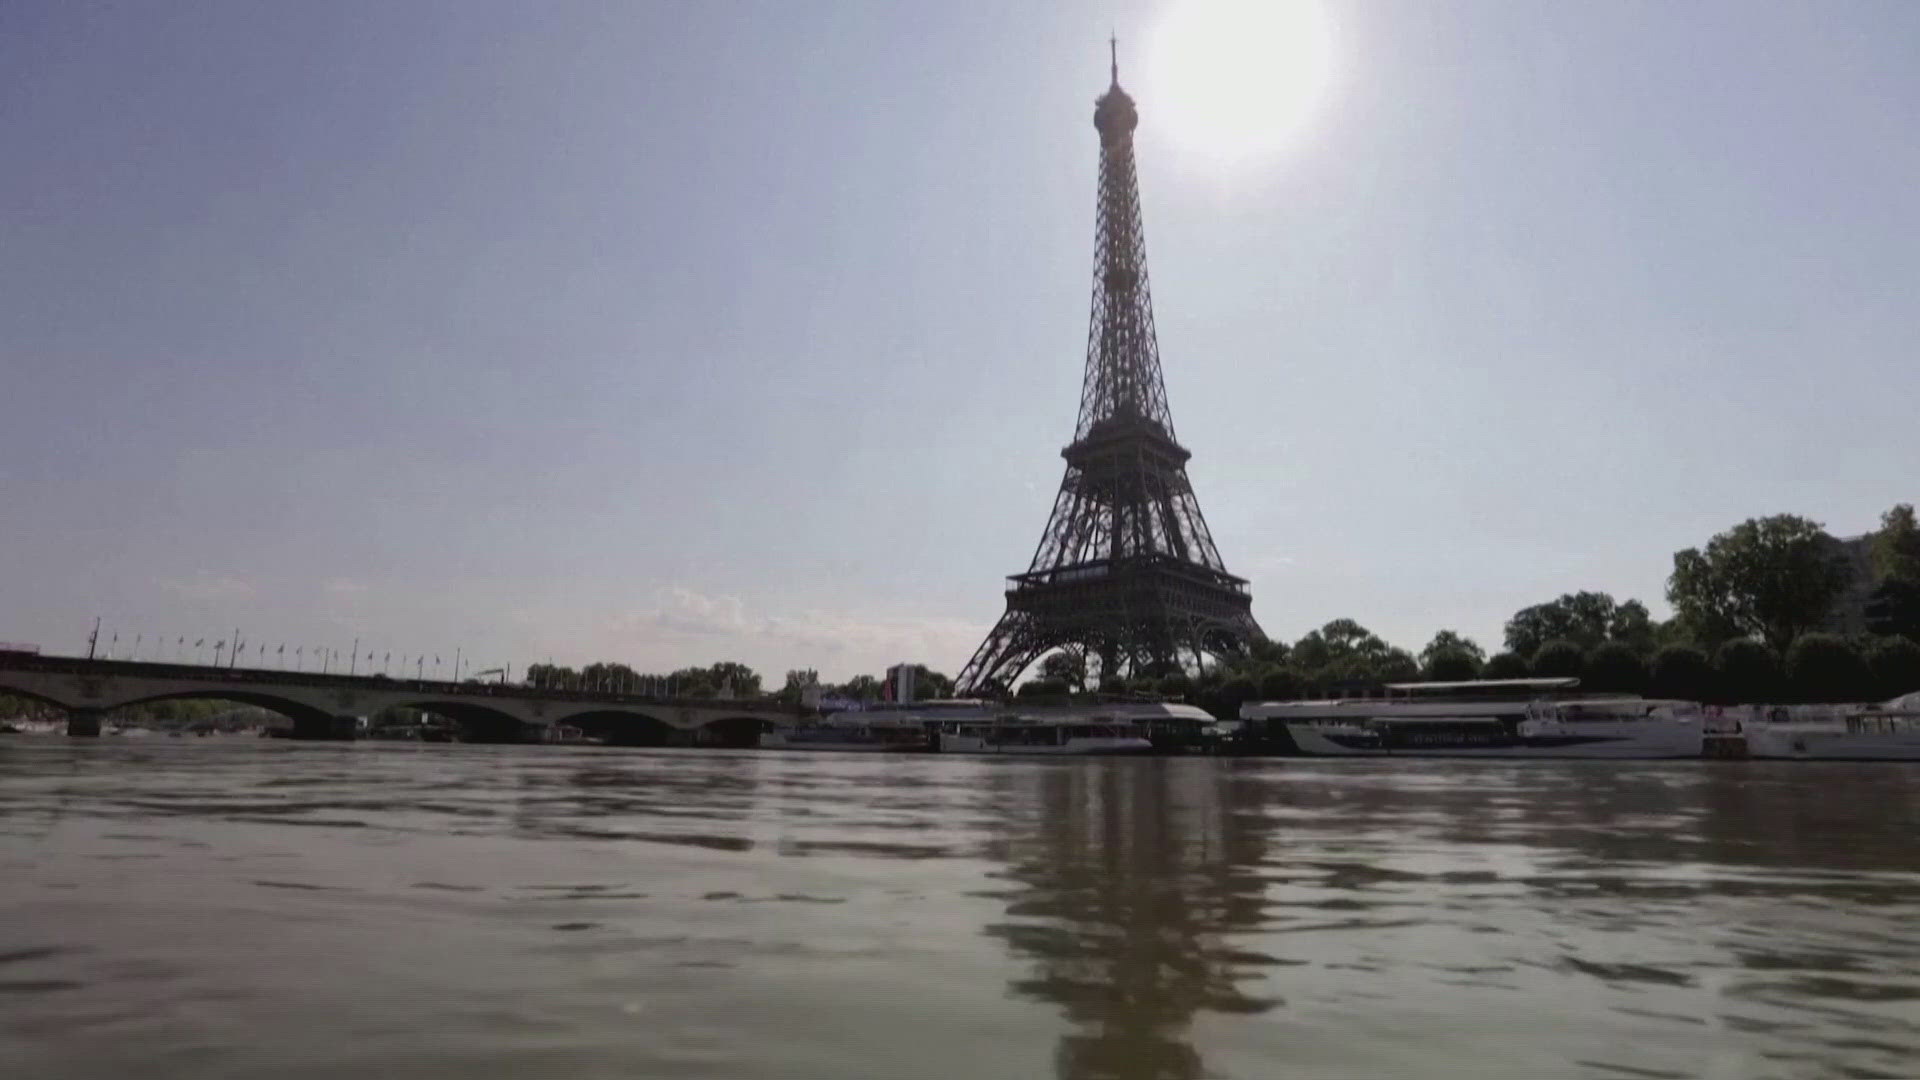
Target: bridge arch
{"type": "Point", "coordinates": [34, 696]}
{"type": "Point", "coordinates": [737, 732]}
{"type": "Point", "coordinates": [299, 712]}
{"type": "Point", "coordinates": [477, 722]}
{"type": "Point", "coordinates": [624, 727]}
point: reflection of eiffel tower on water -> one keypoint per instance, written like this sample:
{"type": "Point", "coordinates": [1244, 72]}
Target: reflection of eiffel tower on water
{"type": "Point", "coordinates": [1126, 570]}
{"type": "Point", "coordinates": [1132, 888]}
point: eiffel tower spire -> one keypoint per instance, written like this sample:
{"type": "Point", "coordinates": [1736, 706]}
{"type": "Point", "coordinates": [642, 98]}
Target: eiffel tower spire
{"type": "Point", "coordinates": [1126, 570]}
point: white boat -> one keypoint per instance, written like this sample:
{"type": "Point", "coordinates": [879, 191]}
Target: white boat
{"type": "Point", "coordinates": [883, 728]}
{"type": "Point", "coordinates": [1016, 734]}
{"type": "Point", "coordinates": [869, 738]}
{"type": "Point", "coordinates": [1487, 718]}
{"type": "Point", "coordinates": [1888, 732]}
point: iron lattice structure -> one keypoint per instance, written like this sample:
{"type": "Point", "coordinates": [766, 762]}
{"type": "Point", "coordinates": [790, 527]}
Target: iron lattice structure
{"type": "Point", "coordinates": [1126, 570]}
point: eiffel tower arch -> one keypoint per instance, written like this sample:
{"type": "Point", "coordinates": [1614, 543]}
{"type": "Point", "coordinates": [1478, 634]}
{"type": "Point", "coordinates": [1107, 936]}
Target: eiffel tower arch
{"type": "Point", "coordinates": [1126, 570]}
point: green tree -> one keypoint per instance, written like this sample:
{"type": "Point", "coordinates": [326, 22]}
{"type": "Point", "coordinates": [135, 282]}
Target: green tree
{"type": "Point", "coordinates": [1894, 608]}
{"type": "Point", "coordinates": [1895, 663]}
{"type": "Point", "coordinates": [1341, 639]}
{"type": "Point", "coordinates": [931, 685]}
{"type": "Point", "coordinates": [1505, 665]}
{"type": "Point", "coordinates": [1773, 578]}
{"type": "Point", "coordinates": [551, 677]}
{"type": "Point", "coordinates": [1614, 667]}
{"type": "Point", "coordinates": [1559, 659]}
{"type": "Point", "coordinates": [1896, 544]}
{"type": "Point", "coordinates": [1042, 688]}
{"type": "Point", "coordinates": [990, 690]}
{"type": "Point", "coordinates": [1398, 665]}
{"type": "Point", "coordinates": [606, 677]}
{"type": "Point", "coordinates": [732, 675]}
{"type": "Point", "coordinates": [691, 682]}
{"type": "Point", "coordinates": [1066, 667]}
{"type": "Point", "coordinates": [1748, 671]}
{"type": "Point", "coordinates": [1224, 703]}
{"type": "Point", "coordinates": [1682, 671]}
{"type": "Point", "coordinates": [1447, 641]}
{"type": "Point", "coordinates": [1452, 665]}
{"type": "Point", "coordinates": [1634, 627]}
{"type": "Point", "coordinates": [1280, 684]}
{"type": "Point", "coordinates": [1827, 667]}
{"type": "Point", "coordinates": [1347, 637]}
{"type": "Point", "coordinates": [860, 688]}
{"type": "Point", "coordinates": [1268, 652]}
{"type": "Point", "coordinates": [1583, 618]}
{"type": "Point", "coordinates": [1345, 651]}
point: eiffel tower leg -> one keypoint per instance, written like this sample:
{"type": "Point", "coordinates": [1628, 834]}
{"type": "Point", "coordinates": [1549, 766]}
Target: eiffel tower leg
{"type": "Point", "coordinates": [1009, 649]}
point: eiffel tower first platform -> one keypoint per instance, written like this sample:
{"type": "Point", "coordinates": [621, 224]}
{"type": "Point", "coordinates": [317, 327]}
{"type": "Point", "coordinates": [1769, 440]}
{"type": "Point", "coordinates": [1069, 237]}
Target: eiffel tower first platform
{"type": "Point", "coordinates": [1126, 571]}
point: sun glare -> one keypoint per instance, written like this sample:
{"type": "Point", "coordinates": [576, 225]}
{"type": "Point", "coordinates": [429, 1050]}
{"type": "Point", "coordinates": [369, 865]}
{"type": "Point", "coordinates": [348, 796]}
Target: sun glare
{"type": "Point", "coordinates": [1237, 78]}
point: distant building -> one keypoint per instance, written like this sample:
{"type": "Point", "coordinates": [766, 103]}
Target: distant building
{"type": "Point", "coordinates": [900, 682]}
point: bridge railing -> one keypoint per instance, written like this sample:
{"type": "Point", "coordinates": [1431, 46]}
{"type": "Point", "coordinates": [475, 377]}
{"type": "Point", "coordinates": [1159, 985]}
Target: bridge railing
{"type": "Point", "coordinates": [81, 666]}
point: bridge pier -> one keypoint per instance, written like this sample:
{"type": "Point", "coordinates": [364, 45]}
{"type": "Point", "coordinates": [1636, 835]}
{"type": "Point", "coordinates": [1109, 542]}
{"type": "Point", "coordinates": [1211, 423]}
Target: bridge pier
{"type": "Point", "coordinates": [83, 723]}
{"type": "Point", "coordinates": [326, 728]}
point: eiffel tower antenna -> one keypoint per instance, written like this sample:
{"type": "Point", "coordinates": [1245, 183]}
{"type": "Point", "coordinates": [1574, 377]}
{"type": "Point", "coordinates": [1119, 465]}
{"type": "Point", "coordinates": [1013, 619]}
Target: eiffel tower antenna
{"type": "Point", "coordinates": [1126, 570]}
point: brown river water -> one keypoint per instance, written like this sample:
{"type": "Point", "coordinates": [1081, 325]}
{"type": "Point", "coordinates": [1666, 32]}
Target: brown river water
{"type": "Point", "coordinates": [214, 908]}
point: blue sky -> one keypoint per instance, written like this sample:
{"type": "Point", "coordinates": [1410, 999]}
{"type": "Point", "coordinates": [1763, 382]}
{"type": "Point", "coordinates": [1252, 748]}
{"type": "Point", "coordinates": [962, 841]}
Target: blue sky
{"type": "Point", "coordinates": [680, 332]}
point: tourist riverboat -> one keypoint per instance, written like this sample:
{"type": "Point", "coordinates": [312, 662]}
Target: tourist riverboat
{"type": "Point", "coordinates": [1490, 718]}
{"type": "Point", "coordinates": [1017, 734]}
{"type": "Point", "coordinates": [882, 728]}
{"type": "Point", "coordinates": [969, 726]}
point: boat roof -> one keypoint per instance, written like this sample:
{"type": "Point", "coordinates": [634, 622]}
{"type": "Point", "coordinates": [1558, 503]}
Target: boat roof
{"type": "Point", "coordinates": [1413, 707]}
{"type": "Point", "coordinates": [1558, 683]}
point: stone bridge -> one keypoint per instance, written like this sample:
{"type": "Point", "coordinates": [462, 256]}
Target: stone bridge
{"type": "Point", "coordinates": [331, 706]}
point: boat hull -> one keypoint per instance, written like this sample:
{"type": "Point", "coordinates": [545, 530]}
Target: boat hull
{"type": "Point", "coordinates": [774, 740]}
{"type": "Point", "coordinates": [1616, 740]}
{"type": "Point", "coordinates": [1079, 747]}
{"type": "Point", "coordinates": [1803, 744]}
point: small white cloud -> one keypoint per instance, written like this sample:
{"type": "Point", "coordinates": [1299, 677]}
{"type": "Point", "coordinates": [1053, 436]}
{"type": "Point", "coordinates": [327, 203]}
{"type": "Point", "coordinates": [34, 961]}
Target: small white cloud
{"type": "Point", "coordinates": [858, 640]}
{"type": "Point", "coordinates": [207, 587]}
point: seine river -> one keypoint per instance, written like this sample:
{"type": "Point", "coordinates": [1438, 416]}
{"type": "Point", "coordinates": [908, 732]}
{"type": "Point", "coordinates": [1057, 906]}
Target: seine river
{"type": "Point", "coordinates": [213, 908]}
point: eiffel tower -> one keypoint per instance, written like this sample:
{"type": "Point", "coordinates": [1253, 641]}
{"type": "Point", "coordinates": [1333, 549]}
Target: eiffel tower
{"type": "Point", "coordinates": [1126, 570]}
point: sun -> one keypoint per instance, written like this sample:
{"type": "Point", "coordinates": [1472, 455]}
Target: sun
{"type": "Point", "coordinates": [1238, 78]}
